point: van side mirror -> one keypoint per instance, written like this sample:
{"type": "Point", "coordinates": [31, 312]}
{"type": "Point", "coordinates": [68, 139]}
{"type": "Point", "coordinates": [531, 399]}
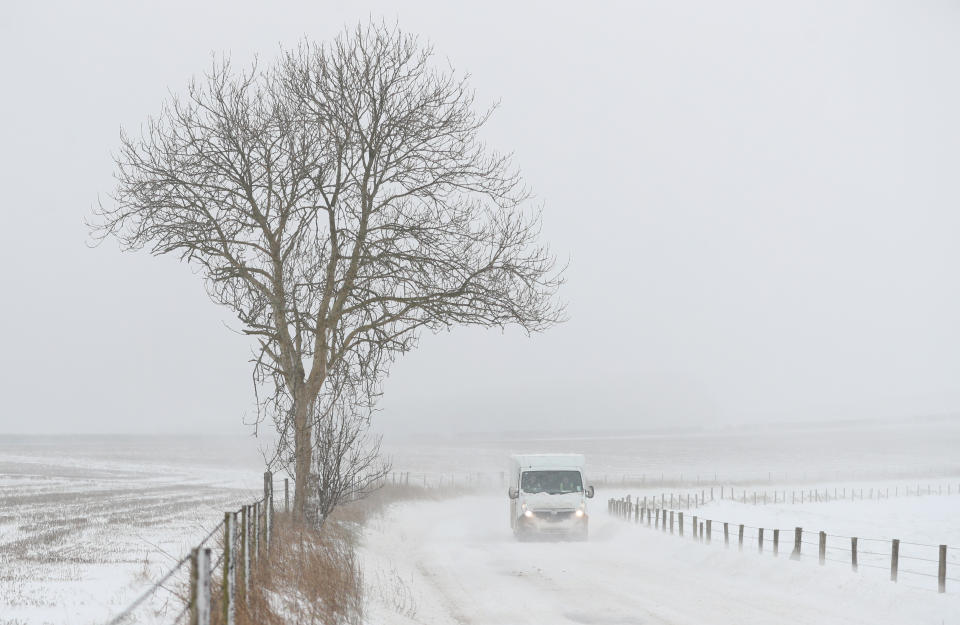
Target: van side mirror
{"type": "Point", "coordinates": [589, 492]}
{"type": "Point", "coordinates": [513, 493]}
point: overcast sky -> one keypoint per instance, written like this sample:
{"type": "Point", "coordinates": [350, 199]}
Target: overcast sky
{"type": "Point", "coordinates": [758, 201]}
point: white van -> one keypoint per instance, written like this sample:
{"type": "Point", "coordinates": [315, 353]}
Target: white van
{"type": "Point", "coordinates": [548, 495]}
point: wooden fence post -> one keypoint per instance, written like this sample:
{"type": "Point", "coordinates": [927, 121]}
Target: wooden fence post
{"type": "Point", "coordinates": [694, 527]}
{"type": "Point", "coordinates": [700, 537]}
{"type": "Point", "coordinates": [776, 542]}
{"type": "Point", "coordinates": [726, 533]}
{"type": "Point", "coordinates": [760, 539]}
{"type": "Point", "coordinates": [740, 536]}
{"type": "Point", "coordinates": [228, 581]}
{"type": "Point", "coordinates": [205, 603]}
{"type": "Point", "coordinates": [263, 528]}
{"type": "Point", "coordinates": [671, 521]}
{"type": "Point", "coordinates": [894, 559]}
{"type": "Point", "coordinates": [256, 533]}
{"type": "Point", "coordinates": [942, 570]}
{"type": "Point", "coordinates": [270, 518]}
{"type": "Point", "coordinates": [823, 547]}
{"type": "Point", "coordinates": [249, 550]}
{"type": "Point", "coordinates": [853, 553]}
{"type": "Point", "coordinates": [244, 555]}
{"type": "Point", "coordinates": [200, 586]}
{"type": "Point", "coordinates": [797, 535]}
{"type": "Point", "coordinates": [708, 530]}
{"type": "Point", "coordinates": [194, 578]}
{"type": "Point", "coordinates": [267, 507]}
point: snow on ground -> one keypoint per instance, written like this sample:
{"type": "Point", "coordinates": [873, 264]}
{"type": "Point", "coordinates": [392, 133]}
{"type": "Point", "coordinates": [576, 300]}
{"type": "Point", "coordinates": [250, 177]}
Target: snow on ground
{"type": "Point", "coordinates": [456, 561]}
{"type": "Point", "coordinates": [87, 525]}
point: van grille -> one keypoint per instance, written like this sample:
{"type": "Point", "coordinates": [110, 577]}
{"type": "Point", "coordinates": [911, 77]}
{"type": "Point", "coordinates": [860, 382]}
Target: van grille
{"type": "Point", "coordinates": [554, 515]}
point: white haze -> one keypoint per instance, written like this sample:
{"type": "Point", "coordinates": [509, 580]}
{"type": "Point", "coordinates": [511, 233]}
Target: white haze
{"type": "Point", "coordinates": [758, 202]}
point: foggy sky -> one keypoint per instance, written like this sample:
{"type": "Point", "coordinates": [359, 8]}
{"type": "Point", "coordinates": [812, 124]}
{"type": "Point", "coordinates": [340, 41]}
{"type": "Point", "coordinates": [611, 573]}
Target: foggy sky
{"type": "Point", "coordinates": [758, 202]}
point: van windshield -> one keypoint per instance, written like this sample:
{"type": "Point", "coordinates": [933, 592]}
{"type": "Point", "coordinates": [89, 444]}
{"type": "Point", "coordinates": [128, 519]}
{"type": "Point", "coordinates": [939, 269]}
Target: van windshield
{"type": "Point", "coordinates": [551, 482]}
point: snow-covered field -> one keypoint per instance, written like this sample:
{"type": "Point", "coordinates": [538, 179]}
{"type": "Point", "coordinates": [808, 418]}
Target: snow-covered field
{"type": "Point", "coordinates": [736, 455]}
{"type": "Point", "coordinates": [87, 523]}
{"type": "Point", "coordinates": [456, 561]}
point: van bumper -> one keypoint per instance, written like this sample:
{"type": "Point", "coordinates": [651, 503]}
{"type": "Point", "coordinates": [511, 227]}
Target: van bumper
{"type": "Point", "coordinates": [553, 523]}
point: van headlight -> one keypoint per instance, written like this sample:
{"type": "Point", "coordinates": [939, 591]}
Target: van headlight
{"type": "Point", "coordinates": [528, 514]}
{"type": "Point", "coordinates": [579, 512]}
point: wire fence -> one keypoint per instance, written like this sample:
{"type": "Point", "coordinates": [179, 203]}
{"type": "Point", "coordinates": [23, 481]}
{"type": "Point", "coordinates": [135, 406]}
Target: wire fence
{"type": "Point", "coordinates": [694, 498]}
{"type": "Point", "coordinates": [208, 587]}
{"type": "Point", "coordinates": [908, 562]}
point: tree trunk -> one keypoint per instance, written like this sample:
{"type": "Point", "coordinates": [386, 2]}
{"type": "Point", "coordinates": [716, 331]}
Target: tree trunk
{"type": "Point", "coordinates": [303, 454]}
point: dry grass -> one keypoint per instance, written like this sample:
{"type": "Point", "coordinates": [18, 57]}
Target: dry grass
{"type": "Point", "coordinates": [312, 577]}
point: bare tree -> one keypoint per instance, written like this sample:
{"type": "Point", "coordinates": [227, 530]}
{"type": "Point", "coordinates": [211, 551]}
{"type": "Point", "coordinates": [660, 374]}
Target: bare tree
{"type": "Point", "coordinates": [347, 461]}
{"type": "Point", "coordinates": [338, 202]}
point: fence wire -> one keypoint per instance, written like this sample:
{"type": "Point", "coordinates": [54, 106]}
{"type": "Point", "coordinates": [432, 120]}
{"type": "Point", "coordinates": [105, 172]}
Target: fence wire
{"type": "Point", "coordinates": [146, 594]}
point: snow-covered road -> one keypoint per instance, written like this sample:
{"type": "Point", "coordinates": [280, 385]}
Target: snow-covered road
{"type": "Point", "coordinates": [455, 561]}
